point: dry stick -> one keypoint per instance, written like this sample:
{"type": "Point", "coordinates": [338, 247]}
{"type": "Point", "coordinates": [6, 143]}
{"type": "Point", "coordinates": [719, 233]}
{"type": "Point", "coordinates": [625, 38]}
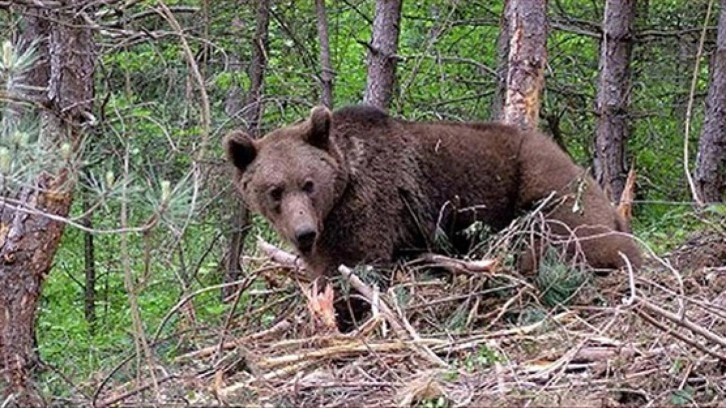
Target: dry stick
{"type": "Point", "coordinates": [255, 312]}
{"type": "Point", "coordinates": [355, 347]}
{"type": "Point", "coordinates": [140, 342]}
{"type": "Point", "coordinates": [228, 320]}
{"type": "Point", "coordinates": [679, 336]}
{"type": "Point", "coordinates": [684, 322]}
{"type": "Point", "coordinates": [504, 308]}
{"type": "Point", "coordinates": [73, 387]}
{"type": "Point", "coordinates": [422, 349]}
{"type": "Point", "coordinates": [665, 264]}
{"type": "Point", "coordinates": [459, 265]}
{"type": "Point", "coordinates": [368, 293]}
{"type": "Point", "coordinates": [564, 361]}
{"type": "Point", "coordinates": [169, 16]}
{"type": "Point", "coordinates": [689, 108]}
{"type": "Point", "coordinates": [686, 375]}
{"type": "Point", "coordinates": [457, 298]}
{"type": "Point", "coordinates": [714, 309]}
{"type": "Point", "coordinates": [205, 111]}
{"type": "Point", "coordinates": [283, 257]}
{"type": "Point", "coordinates": [207, 351]}
{"type": "Point", "coordinates": [517, 331]}
{"type": "Point", "coordinates": [599, 354]}
{"type": "Point", "coordinates": [436, 32]}
{"type": "Point", "coordinates": [107, 378]}
{"type": "Point", "coordinates": [631, 280]}
{"type": "Point", "coordinates": [499, 372]}
{"type": "Point", "coordinates": [297, 367]}
{"type": "Point", "coordinates": [625, 205]}
{"type": "Point", "coordinates": [130, 393]}
{"type": "Point", "coordinates": [15, 205]}
{"type": "Point", "coordinates": [189, 297]}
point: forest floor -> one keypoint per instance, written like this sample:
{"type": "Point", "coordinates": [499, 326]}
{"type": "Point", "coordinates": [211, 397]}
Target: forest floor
{"type": "Point", "coordinates": [480, 336]}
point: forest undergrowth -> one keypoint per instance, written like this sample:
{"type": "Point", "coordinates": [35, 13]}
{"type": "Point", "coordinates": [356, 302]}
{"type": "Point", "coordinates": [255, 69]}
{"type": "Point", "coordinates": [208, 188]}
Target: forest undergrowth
{"type": "Point", "coordinates": [476, 334]}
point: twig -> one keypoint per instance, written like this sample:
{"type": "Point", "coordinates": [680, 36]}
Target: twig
{"type": "Point", "coordinates": [342, 350]}
{"type": "Point", "coordinates": [297, 367]}
{"type": "Point", "coordinates": [460, 265]}
{"type": "Point", "coordinates": [189, 297]}
{"type": "Point", "coordinates": [283, 257]}
{"type": "Point", "coordinates": [368, 294]}
{"type": "Point", "coordinates": [564, 362]}
{"type": "Point", "coordinates": [205, 111]}
{"type": "Point", "coordinates": [228, 320]}
{"type": "Point", "coordinates": [457, 298]}
{"type": "Point", "coordinates": [517, 331]}
{"type": "Point", "coordinates": [207, 351]}
{"type": "Point", "coordinates": [689, 107]}
{"type": "Point", "coordinates": [684, 322]}
{"type": "Point", "coordinates": [17, 206]}
{"type": "Point", "coordinates": [504, 308]}
{"type": "Point", "coordinates": [127, 394]}
{"type": "Point", "coordinates": [631, 280]}
{"type": "Point", "coordinates": [140, 342]}
{"type": "Point", "coordinates": [679, 336]}
{"type": "Point", "coordinates": [75, 388]}
{"type": "Point", "coordinates": [421, 349]}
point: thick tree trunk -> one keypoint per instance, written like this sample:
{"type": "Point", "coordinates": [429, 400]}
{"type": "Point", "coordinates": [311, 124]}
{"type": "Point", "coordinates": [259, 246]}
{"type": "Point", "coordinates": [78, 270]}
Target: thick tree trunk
{"type": "Point", "coordinates": [527, 33]}
{"type": "Point", "coordinates": [28, 238]}
{"type": "Point", "coordinates": [500, 98]}
{"type": "Point", "coordinates": [687, 49]}
{"type": "Point", "coordinates": [252, 117]}
{"type": "Point", "coordinates": [711, 162]}
{"type": "Point", "coordinates": [327, 70]}
{"type": "Point", "coordinates": [258, 66]}
{"type": "Point", "coordinates": [613, 97]}
{"type": "Point", "coordinates": [382, 53]}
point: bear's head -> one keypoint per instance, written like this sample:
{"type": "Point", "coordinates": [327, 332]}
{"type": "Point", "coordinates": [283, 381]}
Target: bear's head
{"type": "Point", "coordinates": [293, 176]}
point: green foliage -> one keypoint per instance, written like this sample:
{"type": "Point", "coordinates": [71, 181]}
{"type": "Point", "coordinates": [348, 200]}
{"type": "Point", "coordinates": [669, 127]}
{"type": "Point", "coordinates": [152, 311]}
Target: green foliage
{"type": "Point", "coordinates": [665, 226]}
{"type": "Point", "coordinates": [484, 357]}
{"type": "Point", "coordinates": [142, 152]}
{"type": "Point", "coordinates": [682, 397]}
{"type": "Point", "coordinates": [437, 402]}
{"type": "Point", "coordinates": [25, 150]}
{"type": "Point", "coordinates": [558, 280]}
{"type": "Point", "coordinates": [480, 359]}
{"type": "Point", "coordinates": [65, 336]}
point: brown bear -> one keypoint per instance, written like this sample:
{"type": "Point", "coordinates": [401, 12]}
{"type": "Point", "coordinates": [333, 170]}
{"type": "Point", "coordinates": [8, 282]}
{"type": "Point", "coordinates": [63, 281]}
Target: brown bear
{"type": "Point", "coordinates": [359, 186]}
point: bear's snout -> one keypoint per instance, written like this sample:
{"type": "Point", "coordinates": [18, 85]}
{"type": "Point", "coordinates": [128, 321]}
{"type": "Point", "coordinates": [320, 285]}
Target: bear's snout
{"type": "Point", "coordinates": [305, 238]}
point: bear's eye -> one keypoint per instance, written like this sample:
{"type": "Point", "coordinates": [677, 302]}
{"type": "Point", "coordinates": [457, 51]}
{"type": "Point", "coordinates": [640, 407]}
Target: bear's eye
{"type": "Point", "coordinates": [276, 193]}
{"type": "Point", "coordinates": [308, 187]}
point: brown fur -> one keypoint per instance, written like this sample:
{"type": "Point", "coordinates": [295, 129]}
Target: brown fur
{"type": "Point", "coordinates": [370, 187]}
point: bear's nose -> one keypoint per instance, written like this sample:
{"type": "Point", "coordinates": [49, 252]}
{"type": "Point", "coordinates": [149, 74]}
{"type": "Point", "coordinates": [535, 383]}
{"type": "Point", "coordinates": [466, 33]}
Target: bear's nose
{"type": "Point", "coordinates": [305, 238]}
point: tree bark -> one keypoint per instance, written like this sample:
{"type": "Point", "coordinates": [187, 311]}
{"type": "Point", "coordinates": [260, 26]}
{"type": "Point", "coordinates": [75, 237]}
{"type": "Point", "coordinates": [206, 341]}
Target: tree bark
{"type": "Point", "coordinates": [89, 259]}
{"type": "Point", "coordinates": [327, 70]}
{"type": "Point", "coordinates": [252, 114]}
{"type": "Point", "coordinates": [258, 66]}
{"type": "Point", "coordinates": [711, 162]}
{"type": "Point", "coordinates": [500, 98]}
{"type": "Point", "coordinates": [613, 97]}
{"type": "Point", "coordinates": [382, 53]}
{"type": "Point", "coordinates": [28, 238]}
{"type": "Point", "coordinates": [527, 33]}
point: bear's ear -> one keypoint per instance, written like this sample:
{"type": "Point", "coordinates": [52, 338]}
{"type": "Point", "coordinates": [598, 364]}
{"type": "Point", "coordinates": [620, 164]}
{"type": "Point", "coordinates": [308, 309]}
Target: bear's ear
{"type": "Point", "coordinates": [319, 133]}
{"type": "Point", "coordinates": [240, 149]}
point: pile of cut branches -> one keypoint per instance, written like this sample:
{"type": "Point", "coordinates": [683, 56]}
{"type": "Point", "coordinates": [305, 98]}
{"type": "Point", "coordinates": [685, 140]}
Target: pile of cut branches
{"type": "Point", "coordinates": [478, 335]}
